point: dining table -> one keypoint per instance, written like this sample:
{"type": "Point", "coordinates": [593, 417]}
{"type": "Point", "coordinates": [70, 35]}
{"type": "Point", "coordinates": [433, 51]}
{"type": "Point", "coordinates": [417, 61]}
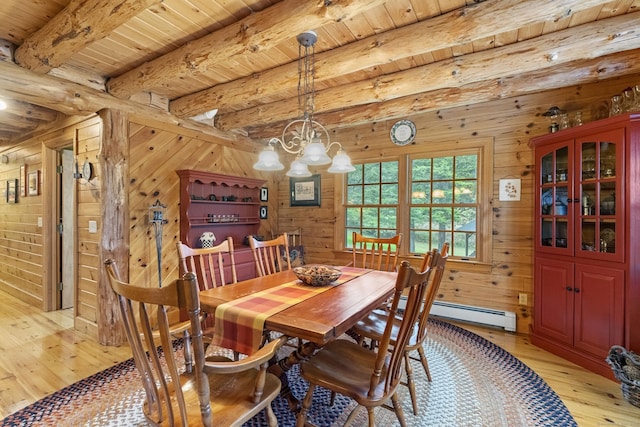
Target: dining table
{"type": "Point", "coordinates": [320, 315]}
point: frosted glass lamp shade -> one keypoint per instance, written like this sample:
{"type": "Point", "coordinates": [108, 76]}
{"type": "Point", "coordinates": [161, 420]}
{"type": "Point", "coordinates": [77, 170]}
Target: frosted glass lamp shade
{"type": "Point", "coordinates": [315, 154]}
{"type": "Point", "coordinates": [298, 170]}
{"type": "Point", "coordinates": [268, 160]}
{"type": "Point", "coordinates": [341, 163]}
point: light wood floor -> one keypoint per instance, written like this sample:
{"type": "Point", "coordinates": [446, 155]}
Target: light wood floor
{"type": "Point", "coordinates": [41, 353]}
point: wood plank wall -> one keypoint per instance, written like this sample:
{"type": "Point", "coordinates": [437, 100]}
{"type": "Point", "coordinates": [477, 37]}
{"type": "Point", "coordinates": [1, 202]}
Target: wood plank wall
{"type": "Point", "coordinates": [157, 151]}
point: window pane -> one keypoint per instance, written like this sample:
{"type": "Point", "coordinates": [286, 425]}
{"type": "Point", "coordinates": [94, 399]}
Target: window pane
{"type": "Point", "coordinates": [354, 195]}
{"type": "Point", "coordinates": [371, 195]}
{"type": "Point", "coordinates": [421, 192]}
{"type": "Point", "coordinates": [464, 244]}
{"type": "Point", "coordinates": [441, 219]}
{"type": "Point", "coordinates": [421, 170]}
{"type": "Point", "coordinates": [467, 167]}
{"type": "Point", "coordinates": [371, 173]}
{"type": "Point", "coordinates": [355, 177]}
{"type": "Point", "coordinates": [419, 242]}
{"type": "Point", "coordinates": [370, 217]}
{"type": "Point", "coordinates": [466, 192]}
{"type": "Point", "coordinates": [353, 217]}
{"type": "Point", "coordinates": [389, 194]}
{"type": "Point", "coordinates": [420, 218]}
{"type": "Point", "coordinates": [464, 219]}
{"type": "Point", "coordinates": [388, 218]}
{"type": "Point", "coordinates": [442, 192]}
{"type": "Point", "coordinates": [389, 172]}
{"type": "Point", "coordinates": [443, 168]}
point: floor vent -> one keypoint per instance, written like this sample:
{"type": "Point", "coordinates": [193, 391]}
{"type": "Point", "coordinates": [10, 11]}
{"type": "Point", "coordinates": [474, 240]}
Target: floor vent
{"type": "Point", "coordinates": [468, 313]}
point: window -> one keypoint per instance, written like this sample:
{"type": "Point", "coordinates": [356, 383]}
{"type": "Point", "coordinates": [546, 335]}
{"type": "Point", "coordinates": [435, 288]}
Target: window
{"type": "Point", "coordinates": [431, 198]}
{"type": "Point", "coordinates": [372, 200]}
{"type": "Point", "coordinates": [443, 204]}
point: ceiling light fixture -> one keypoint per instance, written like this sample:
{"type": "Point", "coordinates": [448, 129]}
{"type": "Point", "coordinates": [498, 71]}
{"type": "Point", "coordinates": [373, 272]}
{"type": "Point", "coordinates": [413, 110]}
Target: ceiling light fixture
{"type": "Point", "coordinates": [303, 136]}
{"type": "Point", "coordinates": [3, 105]}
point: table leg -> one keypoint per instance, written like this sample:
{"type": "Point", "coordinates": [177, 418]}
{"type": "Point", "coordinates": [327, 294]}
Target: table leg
{"type": "Point", "coordinates": [283, 365]}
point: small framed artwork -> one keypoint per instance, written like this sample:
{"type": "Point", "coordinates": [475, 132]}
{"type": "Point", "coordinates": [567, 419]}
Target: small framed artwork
{"type": "Point", "coordinates": [12, 191]}
{"type": "Point", "coordinates": [33, 182]}
{"type": "Point", "coordinates": [264, 194]}
{"type": "Point", "coordinates": [305, 191]}
{"type": "Point", "coordinates": [263, 212]}
{"type": "Point", "coordinates": [509, 190]}
{"type": "Point", "coordinates": [23, 180]}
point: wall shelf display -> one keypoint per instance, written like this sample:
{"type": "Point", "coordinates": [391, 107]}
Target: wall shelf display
{"type": "Point", "coordinates": [586, 283]}
{"type": "Point", "coordinates": [223, 205]}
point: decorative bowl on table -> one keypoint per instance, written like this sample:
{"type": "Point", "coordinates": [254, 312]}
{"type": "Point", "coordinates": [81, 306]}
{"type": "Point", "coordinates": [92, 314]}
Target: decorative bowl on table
{"type": "Point", "coordinates": [317, 274]}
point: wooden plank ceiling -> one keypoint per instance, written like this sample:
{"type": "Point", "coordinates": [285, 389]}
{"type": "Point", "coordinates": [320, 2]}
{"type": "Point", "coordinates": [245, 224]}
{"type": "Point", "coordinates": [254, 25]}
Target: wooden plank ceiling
{"type": "Point", "coordinates": [176, 59]}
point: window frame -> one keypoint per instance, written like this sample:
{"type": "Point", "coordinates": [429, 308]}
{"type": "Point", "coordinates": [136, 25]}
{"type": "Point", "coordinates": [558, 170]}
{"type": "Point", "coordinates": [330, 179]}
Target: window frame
{"type": "Point", "coordinates": [483, 147]}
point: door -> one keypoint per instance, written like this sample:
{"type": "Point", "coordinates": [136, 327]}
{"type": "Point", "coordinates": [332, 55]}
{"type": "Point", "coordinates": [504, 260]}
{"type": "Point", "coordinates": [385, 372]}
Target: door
{"type": "Point", "coordinates": [67, 230]}
{"type": "Point", "coordinates": [554, 299]}
{"type": "Point", "coordinates": [599, 308]}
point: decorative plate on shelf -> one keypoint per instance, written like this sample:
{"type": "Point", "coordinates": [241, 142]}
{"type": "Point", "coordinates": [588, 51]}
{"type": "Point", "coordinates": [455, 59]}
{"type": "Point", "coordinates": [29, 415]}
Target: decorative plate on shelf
{"type": "Point", "coordinates": [403, 132]}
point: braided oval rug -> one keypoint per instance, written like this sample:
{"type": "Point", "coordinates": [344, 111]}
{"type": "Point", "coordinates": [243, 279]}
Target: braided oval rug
{"type": "Point", "coordinates": [475, 383]}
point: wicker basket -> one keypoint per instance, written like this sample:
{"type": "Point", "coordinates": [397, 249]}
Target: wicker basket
{"type": "Point", "coordinates": [626, 368]}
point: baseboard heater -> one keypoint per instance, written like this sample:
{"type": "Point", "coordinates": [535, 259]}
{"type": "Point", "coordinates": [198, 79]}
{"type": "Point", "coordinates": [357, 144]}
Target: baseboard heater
{"type": "Point", "coordinates": [468, 313]}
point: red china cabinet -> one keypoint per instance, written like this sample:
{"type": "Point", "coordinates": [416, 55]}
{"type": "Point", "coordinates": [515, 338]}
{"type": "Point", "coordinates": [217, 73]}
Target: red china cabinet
{"type": "Point", "coordinates": [587, 240]}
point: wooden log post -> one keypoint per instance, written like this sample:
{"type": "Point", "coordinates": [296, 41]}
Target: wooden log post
{"type": "Point", "coordinates": [114, 241]}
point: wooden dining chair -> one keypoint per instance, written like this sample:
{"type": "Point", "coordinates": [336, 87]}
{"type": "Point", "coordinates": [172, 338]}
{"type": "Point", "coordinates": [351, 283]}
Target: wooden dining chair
{"type": "Point", "coordinates": [377, 253]}
{"type": "Point", "coordinates": [218, 391]}
{"type": "Point", "coordinates": [294, 235]}
{"type": "Point", "coordinates": [267, 254]}
{"type": "Point", "coordinates": [215, 266]}
{"type": "Point", "coordinates": [368, 377]}
{"type": "Point", "coordinates": [373, 326]}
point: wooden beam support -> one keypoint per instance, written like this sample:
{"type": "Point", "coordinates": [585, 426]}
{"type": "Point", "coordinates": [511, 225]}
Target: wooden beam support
{"type": "Point", "coordinates": [74, 99]}
{"type": "Point", "coordinates": [79, 24]}
{"type": "Point", "coordinates": [600, 38]}
{"type": "Point", "coordinates": [460, 26]}
{"type": "Point", "coordinates": [259, 31]}
{"type": "Point", "coordinates": [578, 72]}
{"type": "Point", "coordinates": [114, 200]}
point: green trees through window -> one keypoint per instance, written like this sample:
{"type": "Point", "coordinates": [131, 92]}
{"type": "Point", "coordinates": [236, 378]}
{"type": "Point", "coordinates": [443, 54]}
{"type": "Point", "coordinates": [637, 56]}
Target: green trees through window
{"type": "Point", "coordinates": [439, 197]}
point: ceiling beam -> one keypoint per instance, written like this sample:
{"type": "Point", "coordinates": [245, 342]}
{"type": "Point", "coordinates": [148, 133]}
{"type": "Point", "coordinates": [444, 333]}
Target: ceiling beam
{"type": "Point", "coordinates": [577, 72]}
{"type": "Point", "coordinates": [600, 38]}
{"type": "Point", "coordinates": [74, 99]}
{"type": "Point", "coordinates": [457, 27]}
{"type": "Point", "coordinates": [76, 26]}
{"type": "Point", "coordinates": [257, 32]}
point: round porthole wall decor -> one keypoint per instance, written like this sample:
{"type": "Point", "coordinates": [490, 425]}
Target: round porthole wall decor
{"type": "Point", "coordinates": [403, 132]}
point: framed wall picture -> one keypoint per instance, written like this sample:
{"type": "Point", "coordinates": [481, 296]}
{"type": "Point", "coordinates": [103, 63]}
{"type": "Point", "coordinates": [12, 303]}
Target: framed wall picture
{"type": "Point", "coordinates": [305, 191]}
{"type": "Point", "coordinates": [23, 180]}
{"type": "Point", "coordinates": [264, 194]}
{"type": "Point", "coordinates": [33, 182]}
{"type": "Point", "coordinates": [12, 191]}
{"type": "Point", "coordinates": [264, 213]}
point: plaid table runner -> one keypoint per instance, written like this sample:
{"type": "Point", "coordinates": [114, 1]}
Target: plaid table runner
{"type": "Point", "coordinates": [239, 324]}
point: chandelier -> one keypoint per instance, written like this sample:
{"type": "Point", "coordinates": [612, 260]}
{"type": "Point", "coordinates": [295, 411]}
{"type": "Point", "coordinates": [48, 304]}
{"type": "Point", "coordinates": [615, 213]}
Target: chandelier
{"type": "Point", "coordinates": [303, 136]}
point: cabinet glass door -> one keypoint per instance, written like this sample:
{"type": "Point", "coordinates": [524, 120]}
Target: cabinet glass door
{"type": "Point", "coordinates": [600, 217]}
{"type": "Point", "coordinates": [555, 226]}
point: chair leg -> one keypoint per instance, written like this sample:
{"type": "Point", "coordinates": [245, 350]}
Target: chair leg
{"type": "Point", "coordinates": [272, 420]}
{"type": "Point", "coordinates": [301, 418]}
{"type": "Point", "coordinates": [425, 364]}
{"type": "Point", "coordinates": [411, 383]}
{"type": "Point", "coordinates": [352, 416]}
{"type": "Point", "coordinates": [397, 406]}
{"type": "Point", "coordinates": [371, 416]}
{"type": "Point", "coordinates": [188, 352]}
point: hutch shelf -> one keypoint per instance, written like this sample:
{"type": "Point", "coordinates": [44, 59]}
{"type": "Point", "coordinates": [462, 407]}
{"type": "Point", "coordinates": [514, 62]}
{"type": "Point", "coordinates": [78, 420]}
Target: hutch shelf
{"type": "Point", "coordinates": [223, 205]}
{"type": "Point", "coordinates": [587, 260]}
